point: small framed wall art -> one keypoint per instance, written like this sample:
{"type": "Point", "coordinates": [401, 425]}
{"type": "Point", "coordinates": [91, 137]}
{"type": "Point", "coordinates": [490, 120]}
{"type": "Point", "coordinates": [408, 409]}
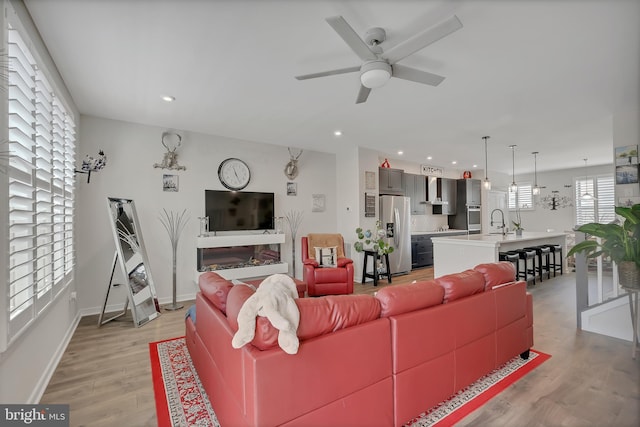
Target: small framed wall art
{"type": "Point", "coordinates": [319, 203]}
{"type": "Point", "coordinates": [370, 180]}
{"type": "Point", "coordinates": [170, 183]}
{"type": "Point", "coordinates": [369, 205]}
{"type": "Point", "coordinates": [292, 189]}
{"type": "Point", "coordinates": [627, 174]}
{"type": "Point", "coordinates": [627, 155]}
{"type": "Point", "coordinates": [628, 201]}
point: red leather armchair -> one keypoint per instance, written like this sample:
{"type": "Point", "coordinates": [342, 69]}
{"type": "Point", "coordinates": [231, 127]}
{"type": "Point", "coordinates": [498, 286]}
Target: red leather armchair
{"type": "Point", "coordinates": [322, 280]}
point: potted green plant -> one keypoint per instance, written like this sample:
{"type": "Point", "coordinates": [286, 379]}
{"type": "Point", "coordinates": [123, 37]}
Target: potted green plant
{"type": "Point", "coordinates": [621, 243]}
{"type": "Point", "coordinates": [517, 224]}
{"type": "Point", "coordinates": [372, 240]}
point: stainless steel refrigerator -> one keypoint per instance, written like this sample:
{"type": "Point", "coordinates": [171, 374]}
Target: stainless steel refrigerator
{"type": "Point", "coordinates": [395, 217]}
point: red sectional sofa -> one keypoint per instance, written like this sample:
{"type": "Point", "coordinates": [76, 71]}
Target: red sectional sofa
{"type": "Point", "coordinates": [363, 360]}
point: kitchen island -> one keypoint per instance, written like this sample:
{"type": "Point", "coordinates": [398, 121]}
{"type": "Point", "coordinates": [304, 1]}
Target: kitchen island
{"type": "Point", "coordinates": [457, 253]}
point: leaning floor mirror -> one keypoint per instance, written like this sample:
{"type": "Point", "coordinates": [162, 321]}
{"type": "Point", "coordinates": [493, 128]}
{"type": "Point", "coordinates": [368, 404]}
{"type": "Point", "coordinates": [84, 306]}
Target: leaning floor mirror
{"type": "Point", "coordinates": [131, 255]}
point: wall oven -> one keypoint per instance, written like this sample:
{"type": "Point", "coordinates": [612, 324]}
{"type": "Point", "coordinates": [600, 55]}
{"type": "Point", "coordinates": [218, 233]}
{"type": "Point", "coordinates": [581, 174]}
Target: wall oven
{"type": "Point", "coordinates": [473, 218]}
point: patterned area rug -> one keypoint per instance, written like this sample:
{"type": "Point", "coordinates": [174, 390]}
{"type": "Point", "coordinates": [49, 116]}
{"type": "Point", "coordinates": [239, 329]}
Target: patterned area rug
{"type": "Point", "coordinates": [182, 401]}
{"type": "Point", "coordinates": [180, 396]}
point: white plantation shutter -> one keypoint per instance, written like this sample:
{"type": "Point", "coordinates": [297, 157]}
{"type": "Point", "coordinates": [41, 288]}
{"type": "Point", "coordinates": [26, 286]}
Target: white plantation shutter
{"type": "Point", "coordinates": [523, 198]}
{"type": "Point", "coordinates": [41, 188]}
{"type": "Point", "coordinates": [601, 210]}
{"type": "Point", "coordinates": [605, 190]}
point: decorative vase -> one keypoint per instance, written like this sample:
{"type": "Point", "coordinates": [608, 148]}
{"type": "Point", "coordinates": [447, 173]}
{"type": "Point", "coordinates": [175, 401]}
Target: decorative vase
{"type": "Point", "coordinates": [628, 274]}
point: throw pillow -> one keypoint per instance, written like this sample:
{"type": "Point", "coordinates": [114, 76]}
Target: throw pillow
{"type": "Point", "coordinates": [327, 257]}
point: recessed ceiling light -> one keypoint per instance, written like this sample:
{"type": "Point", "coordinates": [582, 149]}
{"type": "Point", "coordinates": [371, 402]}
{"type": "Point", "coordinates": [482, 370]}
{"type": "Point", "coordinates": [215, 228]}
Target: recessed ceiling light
{"type": "Point", "coordinates": [475, 166]}
{"type": "Point", "coordinates": [400, 153]}
{"type": "Point", "coordinates": [337, 133]}
{"type": "Point", "coordinates": [454, 162]}
{"type": "Point", "coordinates": [168, 98]}
{"type": "Point", "coordinates": [429, 157]}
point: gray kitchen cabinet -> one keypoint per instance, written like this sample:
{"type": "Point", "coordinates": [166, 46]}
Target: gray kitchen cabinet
{"type": "Point", "coordinates": [415, 188]}
{"type": "Point", "coordinates": [447, 191]}
{"type": "Point", "coordinates": [422, 248]}
{"type": "Point", "coordinates": [391, 181]}
{"type": "Point", "coordinates": [471, 188]}
{"type": "Point", "coordinates": [421, 251]}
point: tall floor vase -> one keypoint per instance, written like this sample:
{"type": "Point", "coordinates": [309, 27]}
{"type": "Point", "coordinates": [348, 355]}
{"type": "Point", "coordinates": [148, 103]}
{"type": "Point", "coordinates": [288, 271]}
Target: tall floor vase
{"type": "Point", "coordinates": [293, 218]}
{"type": "Point", "coordinates": [174, 223]}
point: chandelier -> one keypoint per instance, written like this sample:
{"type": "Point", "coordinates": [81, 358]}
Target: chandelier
{"type": "Point", "coordinates": [554, 201]}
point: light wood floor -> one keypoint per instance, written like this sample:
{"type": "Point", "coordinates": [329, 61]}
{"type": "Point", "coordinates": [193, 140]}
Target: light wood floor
{"type": "Point", "coordinates": [590, 380]}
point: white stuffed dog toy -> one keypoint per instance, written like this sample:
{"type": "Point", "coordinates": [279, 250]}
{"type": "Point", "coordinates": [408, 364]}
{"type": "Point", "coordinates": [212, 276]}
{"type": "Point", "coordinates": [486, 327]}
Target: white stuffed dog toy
{"type": "Point", "coordinates": [274, 300]}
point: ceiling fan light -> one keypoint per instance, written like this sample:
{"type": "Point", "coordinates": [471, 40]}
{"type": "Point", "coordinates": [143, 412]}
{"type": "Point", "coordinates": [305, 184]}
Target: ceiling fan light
{"type": "Point", "coordinates": [375, 74]}
{"type": "Point", "coordinates": [374, 78]}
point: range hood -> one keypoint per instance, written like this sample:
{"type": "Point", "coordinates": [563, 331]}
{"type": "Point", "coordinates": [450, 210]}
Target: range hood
{"type": "Point", "coordinates": [434, 191]}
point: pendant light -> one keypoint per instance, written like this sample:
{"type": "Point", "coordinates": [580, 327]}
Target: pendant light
{"type": "Point", "coordinates": [536, 190]}
{"type": "Point", "coordinates": [513, 188]}
{"type": "Point", "coordinates": [487, 183]}
{"type": "Point", "coordinates": [587, 195]}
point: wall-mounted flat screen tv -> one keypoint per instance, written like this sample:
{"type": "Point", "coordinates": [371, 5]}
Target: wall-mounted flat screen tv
{"type": "Point", "coordinates": [239, 210]}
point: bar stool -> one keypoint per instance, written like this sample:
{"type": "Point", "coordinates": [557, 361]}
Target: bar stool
{"type": "Point", "coordinates": [556, 249]}
{"type": "Point", "coordinates": [512, 257]}
{"type": "Point", "coordinates": [528, 272]}
{"type": "Point", "coordinates": [543, 252]}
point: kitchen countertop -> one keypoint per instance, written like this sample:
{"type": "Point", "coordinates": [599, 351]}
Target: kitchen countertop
{"type": "Point", "coordinates": [496, 239]}
{"type": "Point", "coordinates": [452, 254]}
{"type": "Point", "coordinates": [449, 231]}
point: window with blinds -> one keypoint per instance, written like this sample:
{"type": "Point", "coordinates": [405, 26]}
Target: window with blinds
{"type": "Point", "coordinates": [602, 208]}
{"type": "Point", "coordinates": [41, 188]}
{"type": "Point", "coordinates": [523, 198]}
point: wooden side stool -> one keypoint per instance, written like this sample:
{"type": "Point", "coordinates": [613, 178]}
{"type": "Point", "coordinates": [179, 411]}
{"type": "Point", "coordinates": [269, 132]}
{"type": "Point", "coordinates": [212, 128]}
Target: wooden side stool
{"type": "Point", "coordinates": [375, 275]}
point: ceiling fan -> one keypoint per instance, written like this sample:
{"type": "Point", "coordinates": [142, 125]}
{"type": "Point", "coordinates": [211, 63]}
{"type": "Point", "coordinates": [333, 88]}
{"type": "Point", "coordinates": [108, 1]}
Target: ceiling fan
{"type": "Point", "coordinates": [378, 66]}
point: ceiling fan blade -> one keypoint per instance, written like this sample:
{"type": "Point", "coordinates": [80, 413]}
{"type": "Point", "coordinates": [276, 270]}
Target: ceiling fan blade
{"type": "Point", "coordinates": [418, 76]}
{"type": "Point", "coordinates": [422, 39]}
{"type": "Point", "coordinates": [363, 94]}
{"type": "Point", "coordinates": [351, 38]}
{"type": "Point", "coordinates": [329, 73]}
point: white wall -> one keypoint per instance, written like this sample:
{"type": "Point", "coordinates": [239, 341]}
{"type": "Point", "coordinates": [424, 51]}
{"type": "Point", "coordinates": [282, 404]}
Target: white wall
{"type": "Point", "coordinates": [561, 219]}
{"type": "Point", "coordinates": [132, 149]}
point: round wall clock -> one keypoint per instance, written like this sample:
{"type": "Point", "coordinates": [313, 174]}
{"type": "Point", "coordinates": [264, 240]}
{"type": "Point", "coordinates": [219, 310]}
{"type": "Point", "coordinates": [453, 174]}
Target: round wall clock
{"type": "Point", "coordinates": [234, 174]}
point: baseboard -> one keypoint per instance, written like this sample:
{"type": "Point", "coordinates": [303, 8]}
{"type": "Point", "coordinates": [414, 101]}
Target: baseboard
{"type": "Point", "coordinates": [41, 386]}
{"type": "Point", "coordinates": [114, 308]}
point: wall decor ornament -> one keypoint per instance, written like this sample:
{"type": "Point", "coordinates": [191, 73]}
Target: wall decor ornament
{"type": "Point", "coordinates": [291, 168]}
{"type": "Point", "coordinates": [554, 201]}
{"type": "Point", "coordinates": [171, 141]}
{"type": "Point", "coordinates": [93, 164]}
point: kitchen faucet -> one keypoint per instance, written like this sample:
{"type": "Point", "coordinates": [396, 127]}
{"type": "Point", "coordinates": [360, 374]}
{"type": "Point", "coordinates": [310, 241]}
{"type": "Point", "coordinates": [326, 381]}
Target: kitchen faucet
{"type": "Point", "coordinates": [499, 226]}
